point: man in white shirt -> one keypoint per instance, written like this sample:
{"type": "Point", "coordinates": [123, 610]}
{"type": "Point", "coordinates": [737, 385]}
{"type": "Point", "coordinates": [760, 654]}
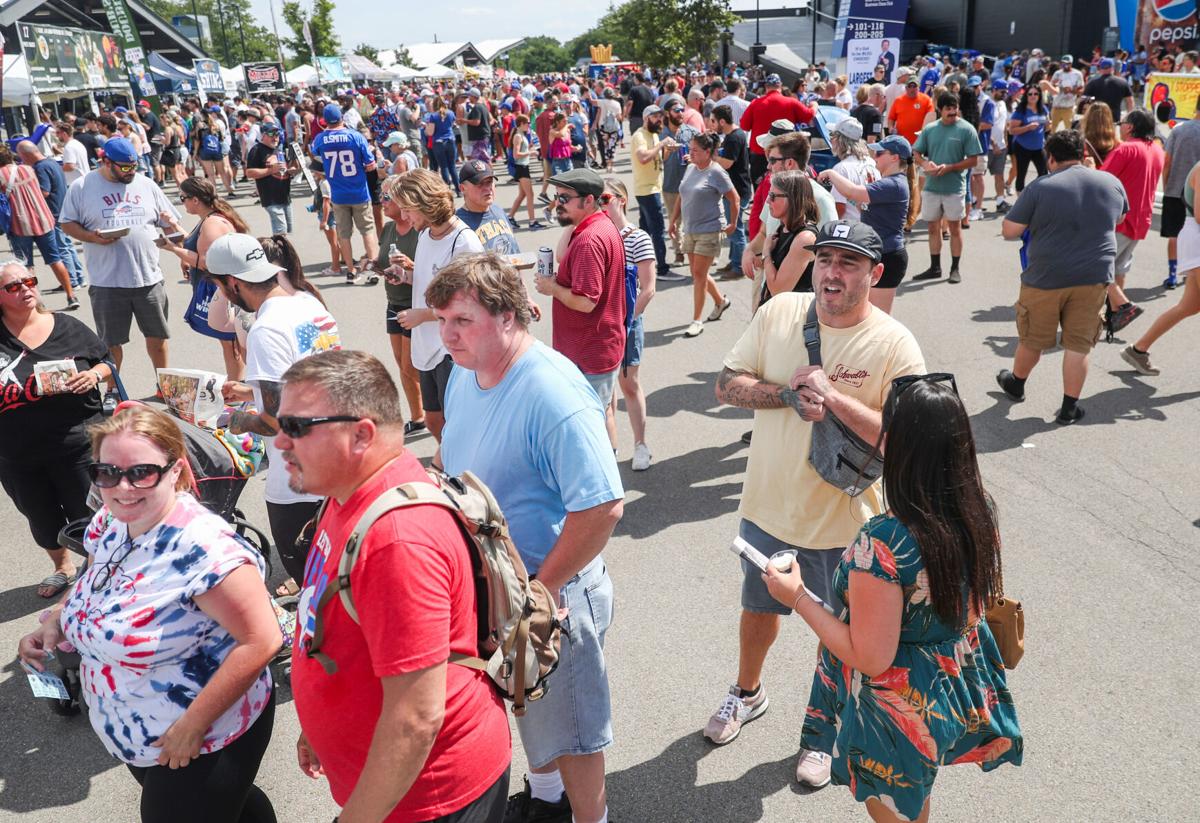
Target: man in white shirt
{"type": "Point", "coordinates": [997, 153]}
{"type": "Point", "coordinates": [1065, 85]}
{"type": "Point", "coordinates": [75, 161]}
{"type": "Point", "coordinates": [896, 90]}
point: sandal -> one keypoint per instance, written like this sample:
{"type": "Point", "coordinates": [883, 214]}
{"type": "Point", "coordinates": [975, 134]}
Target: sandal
{"type": "Point", "coordinates": [287, 589]}
{"type": "Point", "coordinates": [55, 583]}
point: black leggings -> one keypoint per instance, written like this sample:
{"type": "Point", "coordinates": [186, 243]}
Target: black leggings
{"type": "Point", "coordinates": [216, 786]}
{"type": "Point", "coordinates": [1023, 156]}
{"type": "Point", "coordinates": [287, 521]}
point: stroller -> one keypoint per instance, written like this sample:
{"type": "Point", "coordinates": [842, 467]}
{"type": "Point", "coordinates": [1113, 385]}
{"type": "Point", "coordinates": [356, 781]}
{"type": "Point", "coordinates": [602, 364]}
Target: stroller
{"type": "Point", "coordinates": [219, 480]}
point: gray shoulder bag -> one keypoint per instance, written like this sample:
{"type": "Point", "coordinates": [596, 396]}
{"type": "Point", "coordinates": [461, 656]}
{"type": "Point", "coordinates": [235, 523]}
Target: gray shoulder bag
{"type": "Point", "coordinates": [837, 454]}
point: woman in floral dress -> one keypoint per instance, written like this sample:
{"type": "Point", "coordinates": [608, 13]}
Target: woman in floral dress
{"type": "Point", "coordinates": [910, 679]}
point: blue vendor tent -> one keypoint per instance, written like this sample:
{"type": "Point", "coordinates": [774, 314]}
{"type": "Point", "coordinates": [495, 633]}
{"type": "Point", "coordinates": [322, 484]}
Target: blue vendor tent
{"type": "Point", "coordinates": [170, 78]}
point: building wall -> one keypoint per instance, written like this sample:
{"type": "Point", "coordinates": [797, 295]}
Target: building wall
{"type": "Point", "coordinates": [992, 26]}
{"type": "Point", "coordinates": [942, 21]}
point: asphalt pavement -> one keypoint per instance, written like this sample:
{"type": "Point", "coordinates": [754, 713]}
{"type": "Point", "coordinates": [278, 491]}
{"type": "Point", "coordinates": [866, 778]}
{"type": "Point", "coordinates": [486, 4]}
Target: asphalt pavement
{"type": "Point", "coordinates": [1099, 521]}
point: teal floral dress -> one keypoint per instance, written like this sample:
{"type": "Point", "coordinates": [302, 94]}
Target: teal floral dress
{"type": "Point", "coordinates": [943, 701]}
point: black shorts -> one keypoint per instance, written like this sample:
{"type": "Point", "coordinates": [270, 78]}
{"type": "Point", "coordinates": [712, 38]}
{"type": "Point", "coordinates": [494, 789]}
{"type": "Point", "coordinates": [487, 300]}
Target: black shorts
{"type": "Point", "coordinates": [520, 172]}
{"type": "Point", "coordinates": [433, 385]}
{"type": "Point", "coordinates": [374, 188]}
{"type": "Point", "coordinates": [49, 493]}
{"type": "Point", "coordinates": [895, 265]}
{"type": "Point", "coordinates": [1174, 213]}
{"type": "Point", "coordinates": [393, 325]}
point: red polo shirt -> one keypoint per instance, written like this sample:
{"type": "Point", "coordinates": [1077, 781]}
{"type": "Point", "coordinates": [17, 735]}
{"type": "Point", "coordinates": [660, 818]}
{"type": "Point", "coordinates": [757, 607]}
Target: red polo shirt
{"type": "Point", "coordinates": [765, 110]}
{"type": "Point", "coordinates": [593, 267]}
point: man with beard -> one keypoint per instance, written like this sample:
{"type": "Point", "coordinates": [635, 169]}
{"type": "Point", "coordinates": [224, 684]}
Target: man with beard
{"type": "Point", "coordinates": [768, 371]}
{"type": "Point", "coordinates": [677, 129]}
{"type": "Point", "coordinates": [287, 327]}
{"type": "Point", "coordinates": [648, 154]}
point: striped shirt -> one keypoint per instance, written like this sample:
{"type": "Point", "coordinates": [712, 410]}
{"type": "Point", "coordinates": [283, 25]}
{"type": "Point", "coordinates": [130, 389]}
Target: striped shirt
{"type": "Point", "coordinates": [31, 215]}
{"type": "Point", "coordinates": [638, 246]}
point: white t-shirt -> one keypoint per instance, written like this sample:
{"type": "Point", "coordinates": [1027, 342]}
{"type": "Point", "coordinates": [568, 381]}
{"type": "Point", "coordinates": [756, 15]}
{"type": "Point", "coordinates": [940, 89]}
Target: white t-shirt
{"type": "Point", "coordinates": [891, 94]}
{"type": "Point", "coordinates": [351, 119]}
{"type": "Point", "coordinates": [737, 105]}
{"type": "Point", "coordinates": [75, 154]}
{"type": "Point", "coordinates": [432, 256]}
{"type": "Point", "coordinates": [1069, 83]}
{"type": "Point", "coordinates": [861, 172]}
{"type": "Point", "coordinates": [287, 328]}
{"type": "Point", "coordinates": [999, 124]}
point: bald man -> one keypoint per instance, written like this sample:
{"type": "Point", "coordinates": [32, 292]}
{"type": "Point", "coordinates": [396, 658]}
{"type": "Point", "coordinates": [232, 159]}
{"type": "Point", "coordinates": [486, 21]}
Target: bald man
{"type": "Point", "coordinates": [55, 247]}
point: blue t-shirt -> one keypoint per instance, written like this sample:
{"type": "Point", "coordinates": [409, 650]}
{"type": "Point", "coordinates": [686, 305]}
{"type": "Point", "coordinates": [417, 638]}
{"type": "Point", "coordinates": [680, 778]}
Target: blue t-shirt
{"type": "Point", "coordinates": [1031, 140]}
{"type": "Point", "coordinates": [346, 155]}
{"type": "Point", "coordinates": [443, 127]}
{"type": "Point", "coordinates": [887, 210]}
{"type": "Point", "coordinates": [929, 80]}
{"type": "Point", "coordinates": [987, 111]}
{"type": "Point", "coordinates": [492, 228]}
{"type": "Point", "coordinates": [538, 440]}
{"type": "Point", "coordinates": [51, 179]}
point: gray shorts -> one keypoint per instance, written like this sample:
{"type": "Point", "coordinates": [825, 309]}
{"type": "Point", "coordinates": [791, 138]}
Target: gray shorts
{"type": "Point", "coordinates": [1125, 247]}
{"type": "Point", "coordinates": [603, 385]}
{"type": "Point", "coordinates": [816, 568]}
{"type": "Point", "coordinates": [113, 308]}
{"type": "Point", "coordinates": [996, 162]}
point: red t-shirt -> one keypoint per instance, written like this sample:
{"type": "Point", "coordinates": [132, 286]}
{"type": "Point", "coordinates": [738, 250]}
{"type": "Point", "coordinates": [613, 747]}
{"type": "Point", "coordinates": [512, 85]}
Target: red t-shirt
{"type": "Point", "coordinates": [415, 595]}
{"type": "Point", "coordinates": [542, 125]}
{"type": "Point", "coordinates": [594, 267]}
{"type": "Point", "coordinates": [772, 106]}
{"type": "Point", "coordinates": [1137, 164]}
{"type": "Point", "coordinates": [760, 196]}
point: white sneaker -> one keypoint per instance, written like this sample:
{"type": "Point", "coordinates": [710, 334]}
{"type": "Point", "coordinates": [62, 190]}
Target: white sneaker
{"type": "Point", "coordinates": [977, 214]}
{"type": "Point", "coordinates": [641, 457]}
{"type": "Point", "coordinates": [734, 712]}
{"type": "Point", "coordinates": [813, 768]}
{"type": "Point", "coordinates": [694, 329]}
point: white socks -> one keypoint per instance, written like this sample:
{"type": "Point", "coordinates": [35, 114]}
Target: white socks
{"type": "Point", "coordinates": [603, 819]}
{"type": "Point", "coordinates": [548, 787]}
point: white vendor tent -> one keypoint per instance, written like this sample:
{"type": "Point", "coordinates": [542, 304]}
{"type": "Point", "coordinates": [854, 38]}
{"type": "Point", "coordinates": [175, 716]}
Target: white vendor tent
{"type": "Point", "coordinates": [18, 90]}
{"type": "Point", "coordinates": [304, 75]}
{"type": "Point", "coordinates": [437, 73]}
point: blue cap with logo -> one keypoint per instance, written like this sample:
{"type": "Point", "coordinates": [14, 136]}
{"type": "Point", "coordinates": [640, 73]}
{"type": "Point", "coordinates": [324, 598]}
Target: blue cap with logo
{"type": "Point", "coordinates": [999, 85]}
{"type": "Point", "coordinates": [332, 113]}
{"type": "Point", "coordinates": [120, 150]}
{"type": "Point", "coordinates": [975, 82]}
{"type": "Point", "coordinates": [894, 143]}
{"type": "Point", "coordinates": [1106, 63]}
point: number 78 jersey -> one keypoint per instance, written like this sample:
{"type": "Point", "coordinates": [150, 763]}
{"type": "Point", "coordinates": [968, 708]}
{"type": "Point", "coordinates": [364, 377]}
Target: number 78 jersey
{"type": "Point", "coordinates": [346, 157]}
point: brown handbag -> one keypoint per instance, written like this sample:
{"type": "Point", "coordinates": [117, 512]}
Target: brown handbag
{"type": "Point", "coordinates": [1006, 619]}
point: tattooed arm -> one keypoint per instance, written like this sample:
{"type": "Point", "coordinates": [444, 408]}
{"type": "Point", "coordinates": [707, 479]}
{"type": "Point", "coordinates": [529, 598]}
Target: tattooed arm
{"type": "Point", "coordinates": [262, 422]}
{"type": "Point", "coordinates": [738, 388]}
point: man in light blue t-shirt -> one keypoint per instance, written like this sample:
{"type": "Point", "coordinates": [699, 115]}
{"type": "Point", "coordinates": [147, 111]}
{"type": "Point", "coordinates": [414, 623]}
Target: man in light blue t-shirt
{"type": "Point", "coordinates": [525, 421]}
{"type": "Point", "coordinates": [347, 159]}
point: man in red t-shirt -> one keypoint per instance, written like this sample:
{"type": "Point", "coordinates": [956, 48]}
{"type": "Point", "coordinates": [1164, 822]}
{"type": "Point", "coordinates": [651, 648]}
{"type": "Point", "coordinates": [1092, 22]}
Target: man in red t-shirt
{"type": "Point", "coordinates": [588, 286]}
{"type": "Point", "coordinates": [541, 126]}
{"type": "Point", "coordinates": [400, 733]}
{"type": "Point", "coordinates": [762, 112]}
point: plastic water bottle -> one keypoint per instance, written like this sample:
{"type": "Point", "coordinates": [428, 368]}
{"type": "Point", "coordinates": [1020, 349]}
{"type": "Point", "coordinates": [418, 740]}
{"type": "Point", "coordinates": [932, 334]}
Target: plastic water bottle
{"type": "Point", "coordinates": [392, 250]}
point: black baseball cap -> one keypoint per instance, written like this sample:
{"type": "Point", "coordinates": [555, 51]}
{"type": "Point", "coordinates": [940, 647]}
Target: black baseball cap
{"type": "Point", "coordinates": [475, 171]}
{"type": "Point", "coordinates": [583, 181]}
{"type": "Point", "coordinates": [856, 237]}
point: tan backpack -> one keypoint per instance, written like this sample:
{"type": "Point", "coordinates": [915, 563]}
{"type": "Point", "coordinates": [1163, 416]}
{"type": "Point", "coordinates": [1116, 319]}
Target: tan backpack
{"type": "Point", "coordinates": [517, 617]}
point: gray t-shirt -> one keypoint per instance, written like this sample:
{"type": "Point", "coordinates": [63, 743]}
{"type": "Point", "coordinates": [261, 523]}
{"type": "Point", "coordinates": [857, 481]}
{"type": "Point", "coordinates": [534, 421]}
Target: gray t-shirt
{"type": "Point", "coordinates": [1072, 215]}
{"type": "Point", "coordinates": [1183, 146]}
{"type": "Point", "coordinates": [700, 193]}
{"type": "Point", "coordinates": [673, 164]}
{"type": "Point", "coordinates": [96, 203]}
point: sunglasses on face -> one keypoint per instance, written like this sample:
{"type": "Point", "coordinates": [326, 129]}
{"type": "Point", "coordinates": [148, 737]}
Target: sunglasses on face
{"type": "Point", "coordinates": [141, 476]}
{"type": "Point", "coordinates": [563, 199]}
{"type": "Point", "coordinates": [15, 286]}
{"type": "Point", "coordinates": [124, 168]}
{"type": "Point", "coordinates": [297, 427]}
{"type": "Point", "coordinates": [905, 382]}
{"type": "Point", "coordinates": [771, 161]}
{"type": "Point", "coordinates": [774, 195]}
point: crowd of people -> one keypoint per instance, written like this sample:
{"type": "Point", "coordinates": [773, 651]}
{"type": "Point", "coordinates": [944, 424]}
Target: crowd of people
{"type": "Point", "coordinates": [891, 570]}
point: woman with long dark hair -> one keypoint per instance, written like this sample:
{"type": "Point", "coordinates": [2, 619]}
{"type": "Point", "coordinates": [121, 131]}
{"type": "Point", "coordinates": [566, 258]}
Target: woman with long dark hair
{"type": "Point", "coordinates": [910, 678]}
{"type": "Point", "coordinates": [1027, 125]}
{"type": "Point", "coordinates": [787, 262]}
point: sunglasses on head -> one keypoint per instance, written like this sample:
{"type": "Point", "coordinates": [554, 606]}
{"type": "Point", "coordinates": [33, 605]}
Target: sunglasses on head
{"type": "Point", "coordinates": [15, 286]}
{"type": "Point", "coordinates": [297, 427]}
{"type": "Point", "coordinates": [141, 476]}
{"type": "Point", "coordinates": [905, 382]}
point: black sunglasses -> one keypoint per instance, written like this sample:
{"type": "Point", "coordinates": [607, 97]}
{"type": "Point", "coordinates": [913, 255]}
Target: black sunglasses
{"type": "Point", "coordinates": [297, 427]}
{"type": "Point", "coordinates": [15, 286]}
{"type": "Point", "coordinates": [141, 476]}
{"type": "Point", "coordinates": [905, 382]}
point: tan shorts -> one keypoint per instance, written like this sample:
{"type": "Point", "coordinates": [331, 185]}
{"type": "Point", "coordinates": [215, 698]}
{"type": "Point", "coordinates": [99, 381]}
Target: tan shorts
{"type": "Point", "coordinates": [981, 165]}
{"type": "Point", "coordinates": [349, 216]}
{"type": "Point", "coordinates": [937, 206]}
{"type": "Point", "coordinates": [1076, 309]}
{"type": "Point", "coordinates": [705, 244]}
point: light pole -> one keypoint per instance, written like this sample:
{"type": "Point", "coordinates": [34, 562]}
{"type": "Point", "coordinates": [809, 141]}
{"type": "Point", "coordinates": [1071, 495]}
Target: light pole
{"type": "Point", "coordinates": [756, 51]}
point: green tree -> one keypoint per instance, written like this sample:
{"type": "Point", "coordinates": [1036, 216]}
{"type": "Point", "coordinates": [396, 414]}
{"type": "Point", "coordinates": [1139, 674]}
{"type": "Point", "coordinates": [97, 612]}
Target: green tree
{"type": "Point", "coordinates": [320, 23]}
{"type": "Point", "coordinates": [230, 22]}
{"type": "Point", "coordinates": [539, 54]}
{"type": "Point", "coordinates": [659, 32]}
{"type": "Point", "coordinates": [368, 51]}
{"type": "Point", "coordinates": [403, 58]}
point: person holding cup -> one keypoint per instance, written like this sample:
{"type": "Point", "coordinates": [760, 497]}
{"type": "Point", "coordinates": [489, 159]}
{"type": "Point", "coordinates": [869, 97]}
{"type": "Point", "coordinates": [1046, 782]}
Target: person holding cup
{"type": "Point", "coordinates": [397, 248]}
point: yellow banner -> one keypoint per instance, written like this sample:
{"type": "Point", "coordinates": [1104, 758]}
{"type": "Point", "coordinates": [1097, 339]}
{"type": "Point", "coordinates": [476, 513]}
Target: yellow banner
{"type": "Point", "coordinates": [1182, 91]}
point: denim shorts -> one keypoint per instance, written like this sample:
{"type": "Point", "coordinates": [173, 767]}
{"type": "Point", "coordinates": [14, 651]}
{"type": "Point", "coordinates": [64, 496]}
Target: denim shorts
{"type": "Point", "coordinates": [603, 384]}
{"type": "Point", "coordinates": [816, 568]}
{"type": "Point", "coordinates": [575, 715]}
{"type": "Point", "coordinates": [635, 341]}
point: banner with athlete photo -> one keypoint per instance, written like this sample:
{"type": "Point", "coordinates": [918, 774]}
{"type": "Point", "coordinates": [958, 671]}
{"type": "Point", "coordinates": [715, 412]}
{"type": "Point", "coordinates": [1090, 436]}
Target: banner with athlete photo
{"type": "Point", "coordinates": [263, 77]}
{"type": "Point", "coordinates": [868, 34]}
{"type": "Point", "coordinates": [63, 59]}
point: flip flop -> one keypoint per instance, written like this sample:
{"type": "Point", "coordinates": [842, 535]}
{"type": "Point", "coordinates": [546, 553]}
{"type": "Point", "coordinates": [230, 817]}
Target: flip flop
{"type": "Point", "coordinates": [56, 583]}
{"type": "Point", "coordinates": [287, 589]}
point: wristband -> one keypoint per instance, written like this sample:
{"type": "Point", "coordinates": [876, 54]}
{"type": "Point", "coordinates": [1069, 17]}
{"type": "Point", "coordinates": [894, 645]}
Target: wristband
{"type": "Point", "coordinates": [796, 602]}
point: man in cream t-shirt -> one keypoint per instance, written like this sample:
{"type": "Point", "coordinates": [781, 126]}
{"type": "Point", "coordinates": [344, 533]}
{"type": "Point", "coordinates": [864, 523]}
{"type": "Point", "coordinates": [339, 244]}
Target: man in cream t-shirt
{"type": "Point", "coordinates": [786, 505]}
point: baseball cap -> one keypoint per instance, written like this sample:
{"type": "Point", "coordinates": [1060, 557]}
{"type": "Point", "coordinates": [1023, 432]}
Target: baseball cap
{"type": "Point", "coordinates": [584, 181]}
{"type": "Point", "coordinates": [472, 92]}
{"type": "Point", "coordinates": [975, 82]}
{"type": "Point", "coordinates": [476, 171]}
{"type": "Point", "coordinates": [778, 127]}
{"type": "Point", "coordinates": [904, 71]}
{"type": "Point", "coordinates": [1014, 86]}
{"type": "Point", "coordinates": [120, 110]}
{"type": "Point", "coordinates": [999, 85]}
{"type": "Point", "coordinates": [396, 138]}
{"type": "Point", "coordinates": [269, 128]}
{"type": "Point", "coordinates": [119, 150]}
{"type": "Point", "coordinates": [911, 81]}
{"type": "Point", "coordinates": [838, 234]}
{"type": "Point", "coordinates": [774, 80]}
{"type": "Point", "coordinates": [671, 101]}
{"type": "Point", "coordinates": [649, 110]}
{"type": "Point", "coordinates": [332, 113]}
{"type": "Point", "coordinates": [144, 103]}
{"type": "Point", "coordinates": [1068, 59]}
{"type": "Point", "coordinates": [894, 143]}
{"type": "Point", "coordinates": [538, 98]}
{"type": "Point", "coordinates": [849, 128]}
{"type": "Point", "coordinates": [1106, 63]}
{"type": "Point", "coordinates": [240, 256]}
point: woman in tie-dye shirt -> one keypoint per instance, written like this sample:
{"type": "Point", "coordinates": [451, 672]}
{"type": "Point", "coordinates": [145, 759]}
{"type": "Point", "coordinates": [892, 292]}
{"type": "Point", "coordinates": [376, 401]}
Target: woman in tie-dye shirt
{"type": "Point", "coordinates": [173, 622]}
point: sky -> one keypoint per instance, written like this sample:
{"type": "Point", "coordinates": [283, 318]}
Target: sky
{"type": "Point", "coordinates": [410, 21]}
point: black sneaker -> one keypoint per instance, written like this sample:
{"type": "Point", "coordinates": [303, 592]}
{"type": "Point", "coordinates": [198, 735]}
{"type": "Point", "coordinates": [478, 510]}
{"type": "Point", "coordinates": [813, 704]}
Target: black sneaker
{"type": "Point", "coordinates": [1123, 316]}
{"type": "Point", "coordinates": [1065, 420]}
{"type": "Point", "coordinates": [747, 437]}
{"type": "Point", "coordinates": [523, 807]}
{"type": "Point", "coordinates": [1002, 207]}
{"type": "Point", "coordinates": [1007, 381]}
{"type": "Point", "coordinates": [931, 273]}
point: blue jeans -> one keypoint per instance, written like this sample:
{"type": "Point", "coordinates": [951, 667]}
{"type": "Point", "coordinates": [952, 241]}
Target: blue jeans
{"type": "Point", "coordinates": [560, 165]}
{"type": "Point", "coordinates": [66, 248]}
{"type": "Point", "coordinates": [23, 248]}
{"type": "Point", "coordinates": [652, 221]}
{"type": "Point", "coordinates": [737, 240]}
{"type": "Point", "coordinates": [446, 153]}
{"type": "Point", "coordinates": [281, 218]}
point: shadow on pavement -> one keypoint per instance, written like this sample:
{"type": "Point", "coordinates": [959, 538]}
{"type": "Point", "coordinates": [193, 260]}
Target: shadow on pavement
{"type": "Point", "coordinates": [1146, 295]}
{"type": "Point", "coordinates": [684, 490]}
{"type": "Point", "coordinates": [1005, 347]}
{"type": "Point", "coordinates": [698, 396]}
{"type": "Point", "coordinates": [22, 601]}
{"type": "Point", "coordinates": [664, 788]}
{"type": "Point", "coordinates": [996, 314]}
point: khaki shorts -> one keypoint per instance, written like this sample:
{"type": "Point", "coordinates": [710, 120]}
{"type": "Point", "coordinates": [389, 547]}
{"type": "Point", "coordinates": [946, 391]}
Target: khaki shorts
{"type": "Point", "coordinates": [705, 244]}
{"type": "Point", "coordinates": [349, 216]}
{"type": "Point", "coordinates": [981, 165]}
{"type": "Point", "coordinates": [937, 206]}
{"type": "Point", "coordinates": [1076, 309]}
